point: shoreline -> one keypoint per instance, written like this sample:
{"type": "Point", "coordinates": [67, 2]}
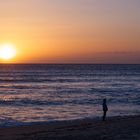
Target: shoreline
{"type": "Point", "coordinates": [59, 122]}
{"type": "Point", "coordinates": [114, 128]}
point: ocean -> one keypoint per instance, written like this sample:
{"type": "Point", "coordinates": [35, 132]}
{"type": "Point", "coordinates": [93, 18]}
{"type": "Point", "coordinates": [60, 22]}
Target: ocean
{"type": "Point", "coordinates": [37, 93]}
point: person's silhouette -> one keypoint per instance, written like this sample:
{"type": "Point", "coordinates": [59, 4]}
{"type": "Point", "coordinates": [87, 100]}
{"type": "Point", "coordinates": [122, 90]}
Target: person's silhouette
{"type": "Point", "coordinates": [105, 109]}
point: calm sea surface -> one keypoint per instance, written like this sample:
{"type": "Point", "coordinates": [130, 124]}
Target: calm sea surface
{"type": "Point", "coordinates": [38, 93]}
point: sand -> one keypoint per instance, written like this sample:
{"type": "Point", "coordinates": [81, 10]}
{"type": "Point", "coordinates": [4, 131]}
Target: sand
{"type": "Point", "coordinates": [118, 128]}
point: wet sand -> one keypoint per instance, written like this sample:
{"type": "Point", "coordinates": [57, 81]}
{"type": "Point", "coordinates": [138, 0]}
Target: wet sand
{"type": "Point", "coordinates": [117, 128]}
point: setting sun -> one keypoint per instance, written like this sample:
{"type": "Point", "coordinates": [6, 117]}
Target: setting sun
{"type": "Point", "coordinates": [7, 51]}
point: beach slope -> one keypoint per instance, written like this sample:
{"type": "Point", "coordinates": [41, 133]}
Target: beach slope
{"type": "Point", "coordinates": [118, 128]}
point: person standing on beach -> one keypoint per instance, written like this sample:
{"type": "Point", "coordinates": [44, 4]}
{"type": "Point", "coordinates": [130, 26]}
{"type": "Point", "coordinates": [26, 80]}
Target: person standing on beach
{"type": "Point", "coordinates": [105, 109]}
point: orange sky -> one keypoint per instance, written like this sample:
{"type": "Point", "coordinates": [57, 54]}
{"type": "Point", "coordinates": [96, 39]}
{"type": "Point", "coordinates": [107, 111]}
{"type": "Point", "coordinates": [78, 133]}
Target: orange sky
{"type": "Point", "coordinates": [72, 31]}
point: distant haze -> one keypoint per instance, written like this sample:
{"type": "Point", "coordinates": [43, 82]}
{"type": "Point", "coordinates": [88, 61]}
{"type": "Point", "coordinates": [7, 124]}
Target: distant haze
{"type": "Point", "coordinates": [72, 31]}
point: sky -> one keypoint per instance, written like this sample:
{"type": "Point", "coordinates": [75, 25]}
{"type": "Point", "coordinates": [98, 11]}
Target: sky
{"type": "Point", "coordinates": [72, 31]}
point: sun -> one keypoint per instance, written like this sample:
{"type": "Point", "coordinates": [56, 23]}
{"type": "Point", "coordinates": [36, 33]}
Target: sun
{"type": "Point", "coordinates": [7, 51]}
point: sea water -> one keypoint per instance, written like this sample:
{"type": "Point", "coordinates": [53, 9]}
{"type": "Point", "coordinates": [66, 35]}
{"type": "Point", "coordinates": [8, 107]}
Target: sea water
{"type": "Point", "coordinates": [45, 93]}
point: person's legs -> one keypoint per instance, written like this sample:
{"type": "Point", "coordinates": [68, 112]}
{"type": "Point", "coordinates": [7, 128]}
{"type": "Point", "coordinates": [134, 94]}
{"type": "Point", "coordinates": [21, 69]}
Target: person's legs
{"type": "Point", "coordinates": [104, 115]}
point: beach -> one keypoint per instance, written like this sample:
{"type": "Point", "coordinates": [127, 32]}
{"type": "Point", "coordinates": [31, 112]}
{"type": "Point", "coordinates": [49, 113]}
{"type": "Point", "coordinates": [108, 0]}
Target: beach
{"type": "Point", "coordinates": [52, 102]}
{"type": "Point", "coordinates": [115, 128]}
{"type": "Point", "coordinates": [69, 70]}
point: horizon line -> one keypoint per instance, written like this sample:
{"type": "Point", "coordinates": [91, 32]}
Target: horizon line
{"type": "Point", "coordinates": [69, 63]}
